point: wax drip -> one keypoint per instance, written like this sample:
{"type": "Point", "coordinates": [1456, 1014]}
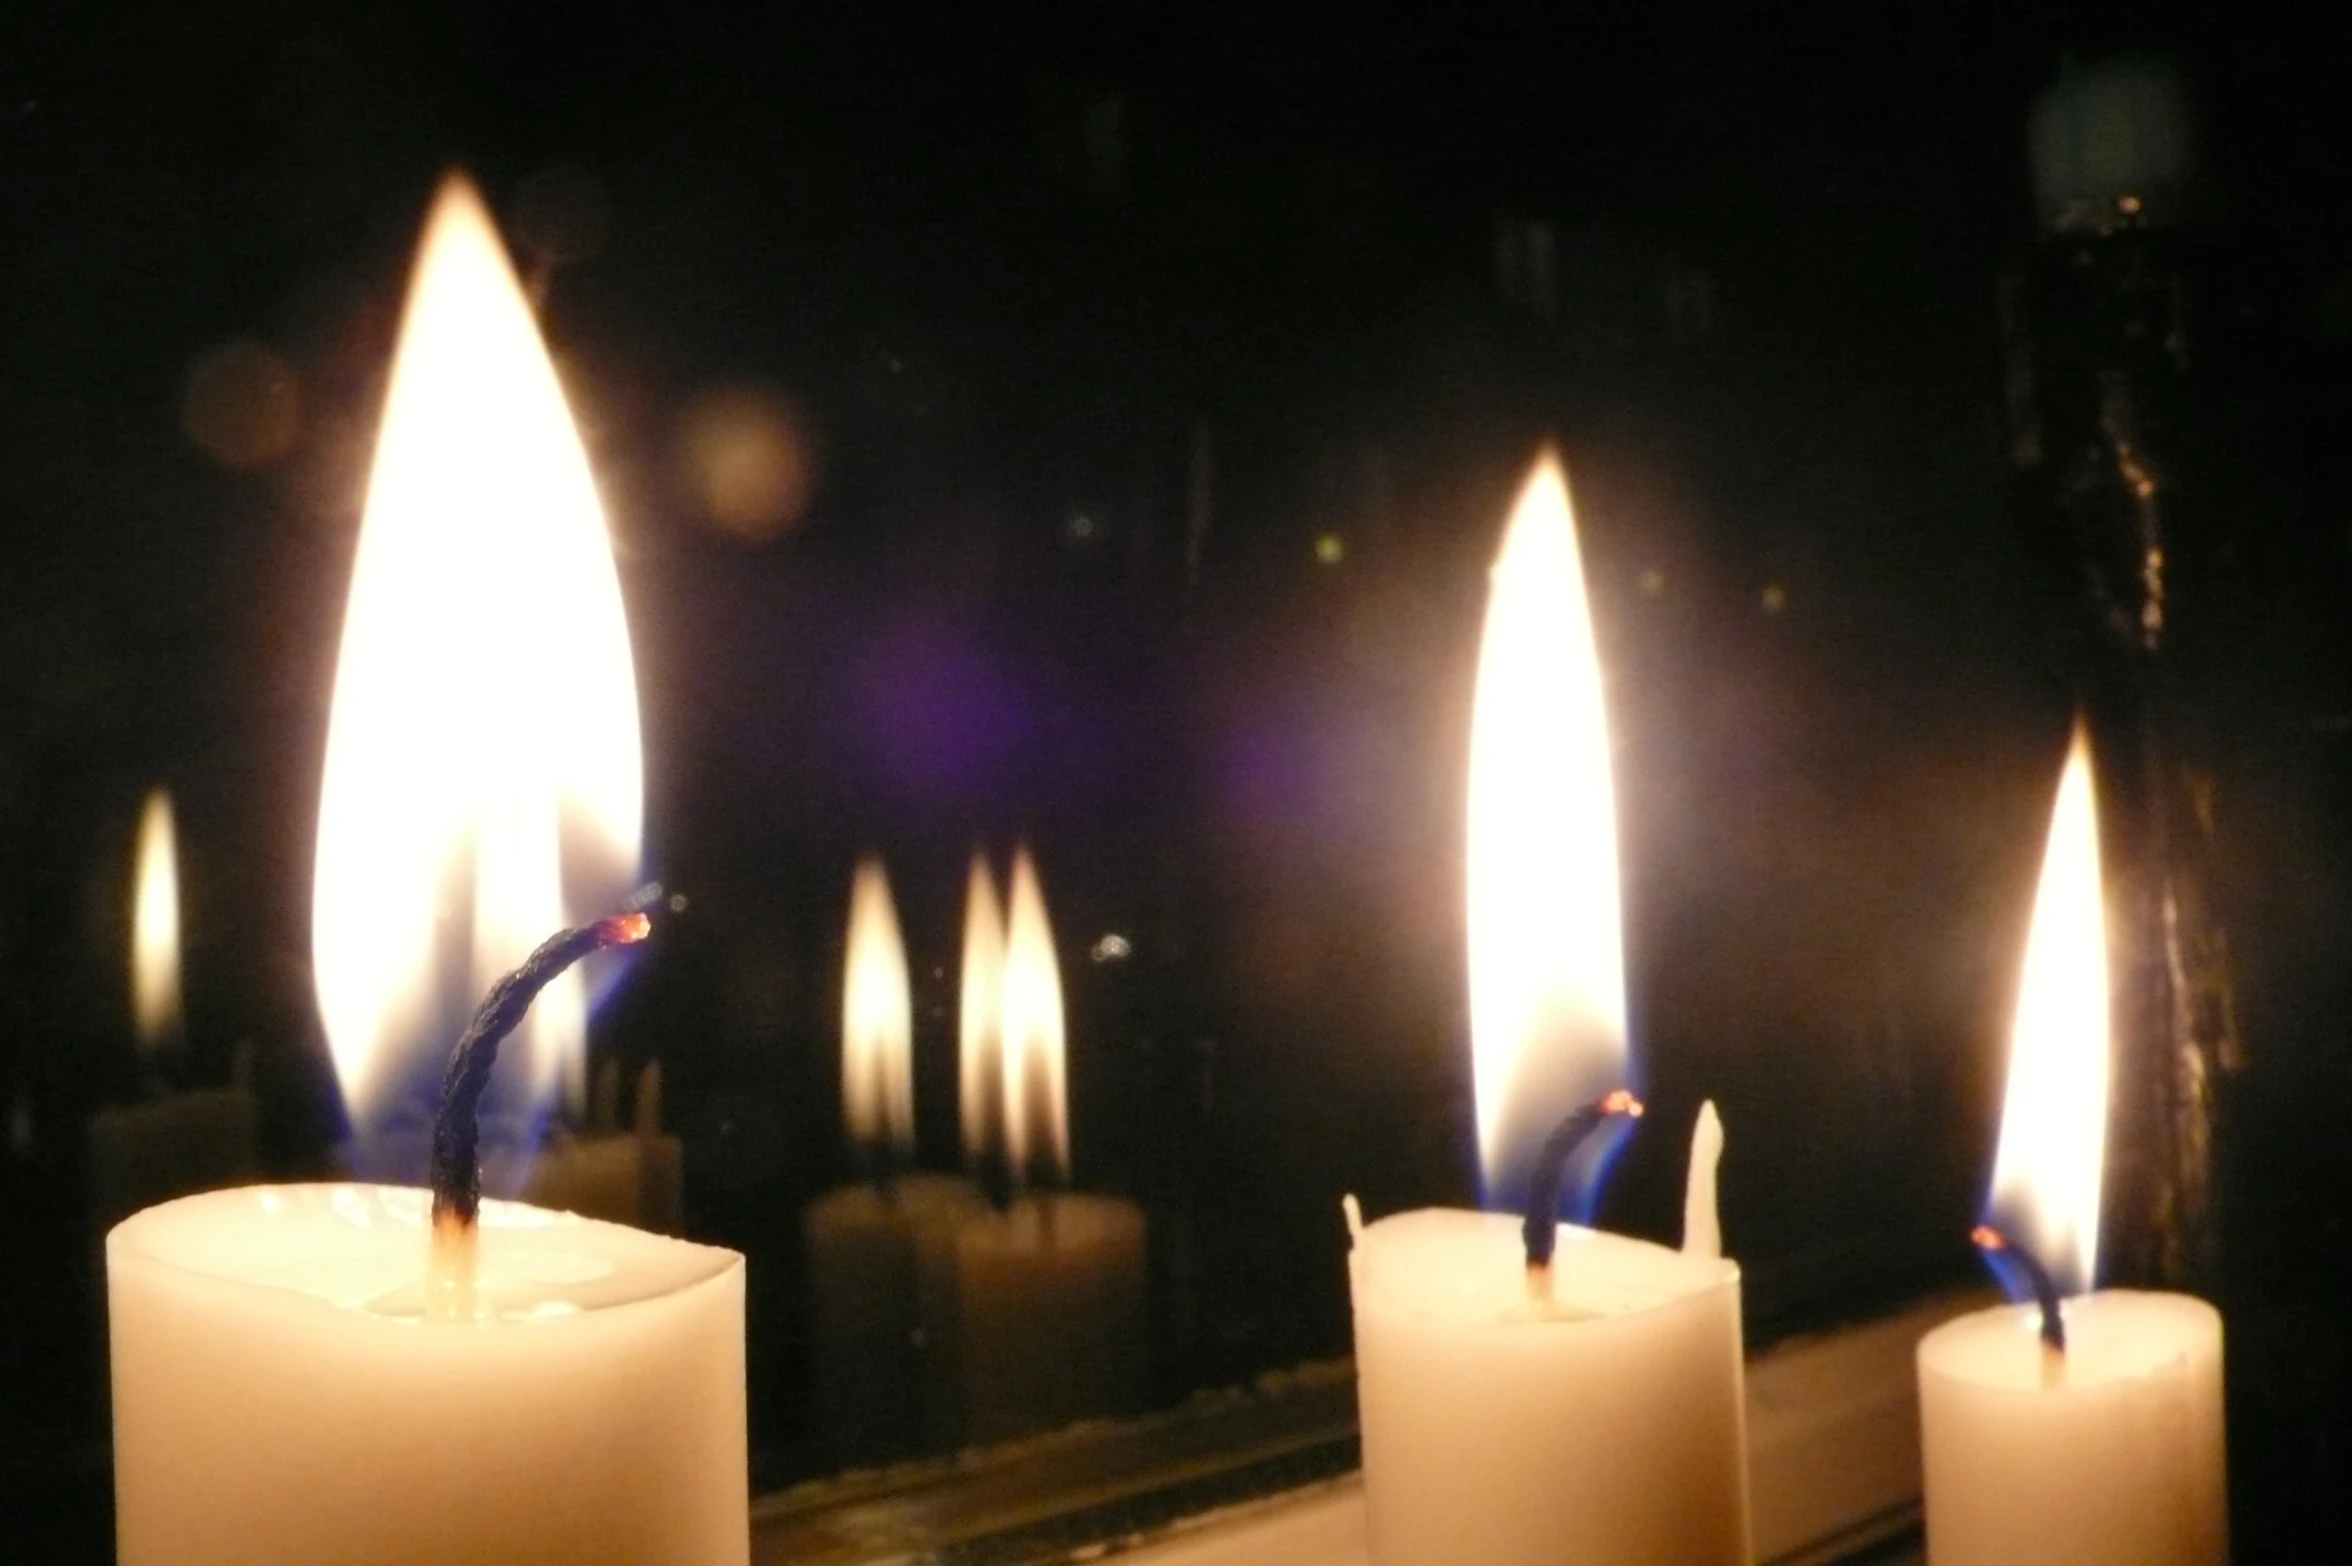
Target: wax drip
{"type": "Point", "coordinates": [1993, 1243]}
{"type": "Point", "coordinates": [1541, 1229]}
{"type": "Point", "coordinates": [1702, 1226]}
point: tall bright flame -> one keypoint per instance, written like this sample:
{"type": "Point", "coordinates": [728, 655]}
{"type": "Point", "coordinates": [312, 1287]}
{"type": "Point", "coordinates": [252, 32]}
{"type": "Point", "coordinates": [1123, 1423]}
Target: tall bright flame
{"type": "Point", "coordinates": [980, 1012]}
{"type": "Point", "coordinates": [1547, 963]}
{"type": "Point", "coordinates": [2054, 1116]}
{"type": "Point", "coordinates": [1036, 1093]}
{"type": "Point", "coordinates": [155, 927]}
{"type": "Point", "coordinates": [482, 781]}
{"type": "Point", "coordinates": [877, 1020]}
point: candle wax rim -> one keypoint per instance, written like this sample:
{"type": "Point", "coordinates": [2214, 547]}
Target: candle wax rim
{"type": "Point", "coordinates": [2115, 1338]}
{"type": "Point", "coordinates": [291, 1240]}
{"type": "Point", "coordinates": [1469, 1265]}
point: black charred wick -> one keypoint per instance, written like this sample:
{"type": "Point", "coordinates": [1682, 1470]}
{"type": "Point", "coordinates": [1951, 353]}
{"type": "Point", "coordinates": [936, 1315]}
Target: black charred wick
{"type": "Point", "coordinates": [1542, 1229]}
{"type": "Point", "coordinates": [1993, 1242]}
{"type": "Point", "coordinates": [457, 1131]}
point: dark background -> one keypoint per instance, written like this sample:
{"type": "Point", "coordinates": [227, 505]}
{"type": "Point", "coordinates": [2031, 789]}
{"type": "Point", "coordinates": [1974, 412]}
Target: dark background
{"type": "Point", "coordinates": [1094, 333]}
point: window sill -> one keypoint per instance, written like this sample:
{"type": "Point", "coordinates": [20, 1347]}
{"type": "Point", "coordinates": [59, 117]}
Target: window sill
{"type": "Point", "coordinates": [1269, 1474]}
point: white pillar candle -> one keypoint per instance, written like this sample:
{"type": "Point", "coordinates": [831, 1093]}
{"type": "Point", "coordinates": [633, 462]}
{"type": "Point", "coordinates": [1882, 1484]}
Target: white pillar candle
{"type": "Point", "coordinates": [2107, 1448]}
{"type": "Point", "coordinates": [2107, 1455]}
{"type": "Point", "coordinates": [279, 1396]}
{"type": "Point", "coordinates": [1591, 1414]}
{"type": "Point", "coordinates": [1606, 1424]}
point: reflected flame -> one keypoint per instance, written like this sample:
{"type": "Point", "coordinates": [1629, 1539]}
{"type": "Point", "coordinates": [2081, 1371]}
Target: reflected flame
{"type": "Point", "coordinates": [2054, 1116]}
{"type": "Point", "coordinates": [1036, 1096]}
{"type": "Point", "coordinates": [1547, 965]}
{"type": "Point", "coordinates": [877, 1020]}
{"type": "Point", "coordinates": [980, 1012]}
{"type": "Point", "coordinates": [484, 727]}
{"type": "Point", "coordinates": [155, 927]}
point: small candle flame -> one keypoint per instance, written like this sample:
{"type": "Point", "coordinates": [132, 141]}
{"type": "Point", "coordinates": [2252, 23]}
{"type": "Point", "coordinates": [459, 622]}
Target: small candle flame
{"type": "Point", "coordinates": [1547, 965]}
{"type": "Point", "coordinates": [1036, 1098]}
{"type": "Point", "coordinates": [2054, 1118]}
{"type": "Point", "coordinates": [155, 928]}
{"type": "Point", "coordinates": [877, 1021]}
{"type": "Point", "coordinates": [980, 1014]}
{"type": "Point", "coordinates": [482, 772]}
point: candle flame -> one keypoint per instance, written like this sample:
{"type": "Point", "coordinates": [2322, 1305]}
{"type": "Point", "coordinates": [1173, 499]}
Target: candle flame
{"type": "Point", "coordinates": [155, 927]}
{"type": "Point", "coordinates": [1036, 1095]}
{"type": "Point", "coordinates": [877, 1020]}
{"type": "Point", "coordinates": [1547, 965]}
{"type": "Point", "coordinates": [980, 1012]}
{"type": "Point", "coordinates": [482, 778]}
{"type": "Point", "coordinates": [2054, 1116]}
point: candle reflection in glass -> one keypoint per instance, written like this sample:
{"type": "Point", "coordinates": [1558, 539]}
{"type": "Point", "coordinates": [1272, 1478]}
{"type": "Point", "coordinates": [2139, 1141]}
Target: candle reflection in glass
{"type": "Point", "coordinates": [1050, 1294]}
{"type": "Point", "coordinates": [980, 1018]}
{"type": "Point", "coordinates": [880, 1249]}
{"type": "Point", "coordinates": [156, 1006]}
{"type": "Point", "coordinates": [175, 1137]}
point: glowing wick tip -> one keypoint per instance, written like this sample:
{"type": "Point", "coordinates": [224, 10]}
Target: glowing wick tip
{"type": "Point", "coordinates": [457, 1132]}
{"type": "Point", "coordinates": [1542, 1229]}
{"type": "Point", "coordinates": [1994, 1243]}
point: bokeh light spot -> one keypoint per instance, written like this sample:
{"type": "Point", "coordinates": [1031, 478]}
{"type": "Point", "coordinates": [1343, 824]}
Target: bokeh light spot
{"type": "Point", "coordinates": [747, 462]}
{"type": "Point", "coordinates": [241, 405]}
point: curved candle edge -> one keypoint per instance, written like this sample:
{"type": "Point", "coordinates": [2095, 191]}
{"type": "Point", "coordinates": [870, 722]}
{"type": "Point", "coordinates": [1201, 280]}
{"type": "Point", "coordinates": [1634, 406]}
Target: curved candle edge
{"type": "Point", "coordinates": [664, 1257]}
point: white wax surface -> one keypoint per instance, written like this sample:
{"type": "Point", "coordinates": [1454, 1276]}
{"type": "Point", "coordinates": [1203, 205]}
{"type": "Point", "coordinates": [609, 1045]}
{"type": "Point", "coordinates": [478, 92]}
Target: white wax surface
{"type": "Point", "coordinates": [882, 1309]}
{"type": "Point", "coordinates": [1050, 1314]}
{"type": "Point", "coordinates": [2113, 1456]}
{"type": "Point", "coordinates": [278, 1398]}
{"type": "Point", "coordinates": [1606, 1430]}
